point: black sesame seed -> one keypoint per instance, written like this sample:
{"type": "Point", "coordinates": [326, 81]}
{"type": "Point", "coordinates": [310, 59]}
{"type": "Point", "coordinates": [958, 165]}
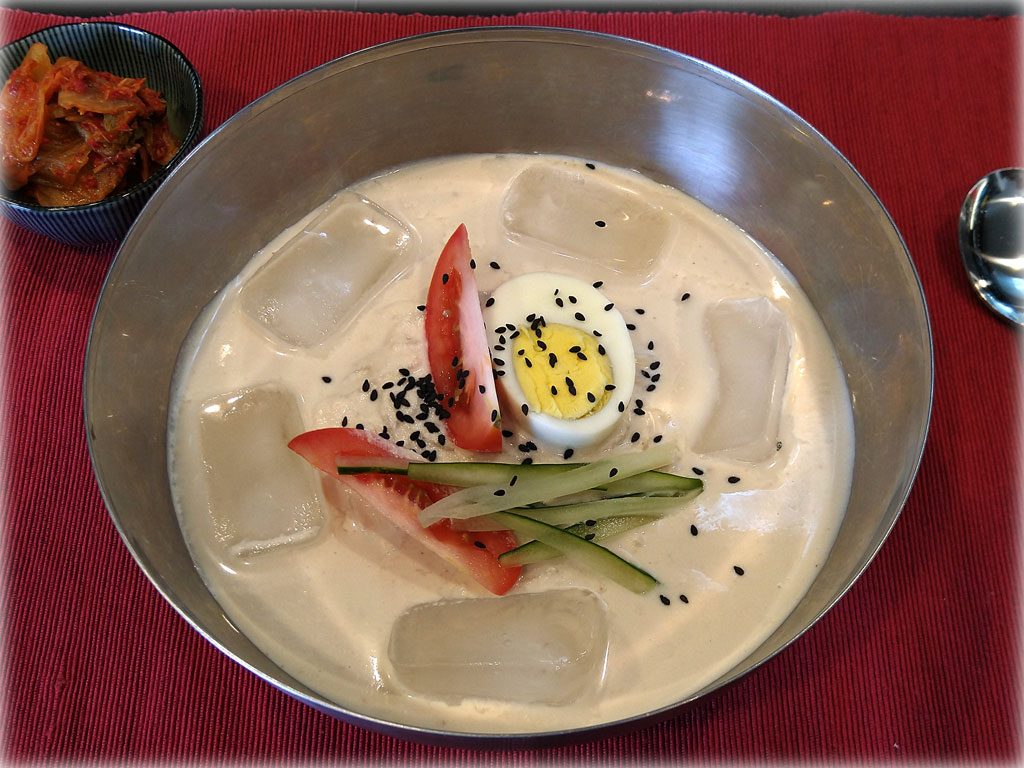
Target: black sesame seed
{"type": "Point", "coordinates": [733, 479]}
{"type": "Point", "coordinates": [441, 439]}
{"type": "Point", "coordinates": [645, 374]}
{"type": "Point", "coordinates": [421, 307]}
{"type": "Point", "coordinates": [597, 334]}
{"type": "Point", "coordinates": [651, 387]}
{"type": "Point", "coordinates": [573, 299]}
{"type": "Point", "coordinates": [325, 379]}
{"type": "Point", "coordinates": [580, 316]}
{"type": "Point", "coordinates": [531, 446]}
{"type": "Point", "coordinates": [575, 348]}
{"type": "Point", "coordinates": [472, 263]}
{"type": "Point", "coordinates": [554, 390]}
{"type": "Point", "coordinates": [639, 411]}
{"type": "Point", "coordinates": [613, 472]}
{"type": "Point", "coordinates": [528, 362]}
{"type": "Point", "coordinates": [344, 421]}
{"type": "Point", "coordinates": [656, 377]}
{"type": "Point", "coordinates": [655, 365]}
{"type": "Point", "coordinates": [656, 439]}
{"type": "Point", "coordinates": [693, 530]}
{"type": "Point", "coordinates": [622, 406]}
{"type": "Point", "coordinates": [431, 427]}
{"type": "Point", "coordinates": [498, 361]}
{"type": "Point", "coordinates": [778, 446]}
{"type": "Point", "coordinates": [608, 306]}
{"type": "Point", "coordinates": [489, 302]}
{"type": "Point", "coordinates": [601, 350]}
{"type": "Point", "coordinates": [630, 327]}
{"type": "Point", "coordinates": [599, 223]}
{"type": "Point", "coordinates": [482, 388]}
{"type": "Point", "coordinates": [514, 334]}
{"type": "Point", "coordinates": [685, 296]}
{"type": "Point", "coordinates": [639, 403]}
{"type": "Point", "coordinates": [650, 345]}
{"type": "Point", "coordinates": [559, 302]}
{"type": "Point", "coordinates": [373, 395]}
{"type": "Point", "coordinates": [359, 426]}
{"type": "Point", "coordinates": [444, 279]}
{"type": "Point", "coordinates": [739, 571]}
{"type": "Point", "coordinates": [404, 372]}
{"type": "Point", "coordinates": [590, 523]}
{"type": "Point", "coordinates": [591, 397]}
{"type": "Point", "coordinates": [609, 387]}
{"type": "Point", "coordinates": [500, 492]}
{"type": "Point", "coordinates": [684, 598]}
{"type": "Point", "coordinates": [512, 480]}
{"type": "Point", "coordinates": [634, 437]}
{"type": "Point", "coordinates": [540, 344]}
{"type": "Point", "coordinates": [366, 385]}
{"type": "Point", "coordinates": [526, 409]}
{"type": "Point", "coordinates": [591, 166]}
{"type": "Point", "coordinates": [521, 352]}
{"type": "Point", "coordinates": [697, 471]}
{"type": "Point", "coordinates": [494, 416]}
{"type": "Point", "coordinates": [527, 460]}
{"type": "Point", "coordinates": [479, 545]}
{"type": "Point", "coordinates": [502, 373]}
{"type": "Point", "coordinates": [664, 600]}
{"type": "Point", "coordinates": [505, 432]}
{"type": "Point", "coordinates": [639, 310]}
{"type": "Point", "coordinates": [599, 283]}
{"type": "Point", "coordinates": [567, 453]}
{"type": "Point", "coordinates": [581, 356]}
{"type": "Point", "coordinates": [590, 536]}
{"type": "Point", "coordinates": [495, 265]}
{"type": "Point", "coordinates": [552, 359]}
{"type": "Point", "coordinates": [387, 385]}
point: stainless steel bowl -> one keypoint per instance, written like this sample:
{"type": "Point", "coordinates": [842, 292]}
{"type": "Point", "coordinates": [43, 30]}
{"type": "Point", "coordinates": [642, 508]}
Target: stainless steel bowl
{"type": "Point", "coordinates": [673, 118]}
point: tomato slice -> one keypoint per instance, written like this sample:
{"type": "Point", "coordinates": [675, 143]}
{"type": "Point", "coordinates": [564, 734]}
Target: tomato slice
{"type": "Point", "coordinates": [460, 360]}
{"type": "Point", "coordinates": [400, 500]}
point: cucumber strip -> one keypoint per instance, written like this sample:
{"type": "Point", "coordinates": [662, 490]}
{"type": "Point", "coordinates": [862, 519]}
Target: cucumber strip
{"type": "Point", "coordinates": [465, 474]}
{"type": "Point", "coordinates": [482, 500]}
{"type": "Point", "coordinates": [605, 528]}
{"type": "Point", "coordinates": [567, 514]}
{"type": "Point", "coordinates": [584, 553]}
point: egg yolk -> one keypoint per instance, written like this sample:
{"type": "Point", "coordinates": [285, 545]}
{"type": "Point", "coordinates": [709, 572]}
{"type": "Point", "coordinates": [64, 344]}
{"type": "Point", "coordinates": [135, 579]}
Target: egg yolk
{"type": "Point", "coordinates": [563, 371]}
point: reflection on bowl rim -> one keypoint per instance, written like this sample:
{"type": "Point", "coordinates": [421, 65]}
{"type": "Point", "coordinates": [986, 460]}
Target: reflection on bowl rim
{"type": "Point", "coordinates": [192, 132]}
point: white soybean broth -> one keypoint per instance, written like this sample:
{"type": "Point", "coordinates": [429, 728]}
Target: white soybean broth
{"type": "Point", "coordinates": [743, 553]}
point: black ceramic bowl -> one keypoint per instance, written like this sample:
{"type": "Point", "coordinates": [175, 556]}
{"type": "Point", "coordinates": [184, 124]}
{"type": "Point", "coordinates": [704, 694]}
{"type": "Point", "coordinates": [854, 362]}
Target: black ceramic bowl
{"type": "Point", "coordinates": [126, 51]}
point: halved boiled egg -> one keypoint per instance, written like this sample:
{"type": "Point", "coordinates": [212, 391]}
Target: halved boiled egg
{"type": "Point", "coordinates": [562, 355]}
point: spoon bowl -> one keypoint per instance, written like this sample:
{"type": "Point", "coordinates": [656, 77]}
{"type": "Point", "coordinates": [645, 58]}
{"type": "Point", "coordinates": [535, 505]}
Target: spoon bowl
{"type": "Point", "coordinates": [991, 233]}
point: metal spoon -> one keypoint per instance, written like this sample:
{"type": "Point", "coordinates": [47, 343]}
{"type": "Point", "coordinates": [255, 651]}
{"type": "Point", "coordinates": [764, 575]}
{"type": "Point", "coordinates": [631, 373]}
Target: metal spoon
{"type": "Point", "coordinates": [992, 241]}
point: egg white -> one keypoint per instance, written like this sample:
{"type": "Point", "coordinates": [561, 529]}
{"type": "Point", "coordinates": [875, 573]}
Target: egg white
{"type": "Point", "coordinates": [534, 294]}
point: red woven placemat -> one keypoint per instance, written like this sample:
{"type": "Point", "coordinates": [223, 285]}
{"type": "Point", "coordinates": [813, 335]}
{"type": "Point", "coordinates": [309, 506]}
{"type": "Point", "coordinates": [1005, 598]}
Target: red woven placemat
{"type": "Point", "coordinates": [918, 662]}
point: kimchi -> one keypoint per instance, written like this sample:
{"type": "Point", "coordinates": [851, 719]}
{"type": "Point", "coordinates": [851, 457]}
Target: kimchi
{"type": "Point", "coordinates": [70, 134]}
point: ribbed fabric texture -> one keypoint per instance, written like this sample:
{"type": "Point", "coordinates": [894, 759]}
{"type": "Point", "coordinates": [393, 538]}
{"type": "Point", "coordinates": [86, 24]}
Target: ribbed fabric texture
{"type": "Point", "coordinates": [919, 662]}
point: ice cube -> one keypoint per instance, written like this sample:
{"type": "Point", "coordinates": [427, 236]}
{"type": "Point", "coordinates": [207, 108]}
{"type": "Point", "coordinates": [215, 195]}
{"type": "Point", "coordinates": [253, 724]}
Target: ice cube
{"type": "Point", "coordinates": [751, 344]}
{"type": "Point", "coordinates": [260, 495]}
{"type": "Point", "coordinates": [585, 216]}
{"type": "Point", "coordinates": [543, 647]}
{"type": "Point", "coordinates": [322, 276]}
